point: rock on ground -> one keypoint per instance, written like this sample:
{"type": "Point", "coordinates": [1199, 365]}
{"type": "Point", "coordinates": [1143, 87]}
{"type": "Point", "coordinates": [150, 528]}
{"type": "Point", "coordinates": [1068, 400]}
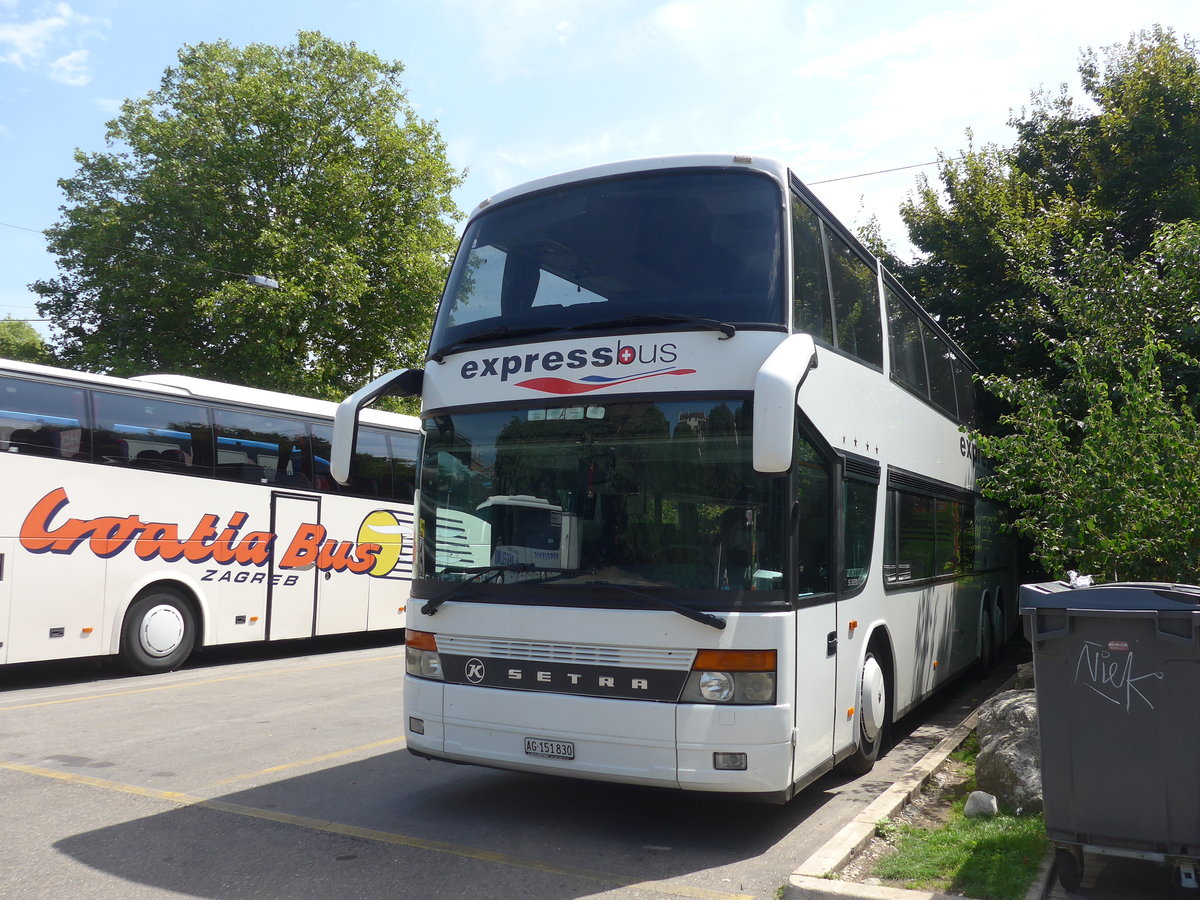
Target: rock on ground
{"type": "Point", "coordinates": [1009, 764]}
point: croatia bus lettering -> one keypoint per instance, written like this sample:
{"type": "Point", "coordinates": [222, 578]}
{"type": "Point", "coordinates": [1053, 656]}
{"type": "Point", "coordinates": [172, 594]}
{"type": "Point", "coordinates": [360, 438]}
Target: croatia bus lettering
{"type": "Point", "coordinates": [107, 536]}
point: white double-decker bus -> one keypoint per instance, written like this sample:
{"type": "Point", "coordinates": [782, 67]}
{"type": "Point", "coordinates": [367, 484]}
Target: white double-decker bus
{"type": "Point", "coordinates": [762, 537]}
{"type": "Point", "coordinates": [145, 517]}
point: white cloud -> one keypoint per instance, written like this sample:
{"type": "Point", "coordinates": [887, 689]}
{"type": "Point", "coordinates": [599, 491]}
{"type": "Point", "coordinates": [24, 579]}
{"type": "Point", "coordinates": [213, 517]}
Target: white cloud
{"type": "Point", "coordinates": [71, 69]}
{"type": "Point", "coordinates": [46, 41]}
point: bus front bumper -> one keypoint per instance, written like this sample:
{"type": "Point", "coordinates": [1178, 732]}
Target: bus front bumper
{"type": "Point", "coordinates": [628, 741]}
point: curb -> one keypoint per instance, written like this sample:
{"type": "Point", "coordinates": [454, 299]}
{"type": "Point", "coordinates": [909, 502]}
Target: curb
{"type": "Point", "coordinates": [814, 878]}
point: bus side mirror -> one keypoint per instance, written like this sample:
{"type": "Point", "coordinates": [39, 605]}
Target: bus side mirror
{"type": "Point", "coordinates": [402, 383]}
{"type": "Point", "coordinates": [775, 388]}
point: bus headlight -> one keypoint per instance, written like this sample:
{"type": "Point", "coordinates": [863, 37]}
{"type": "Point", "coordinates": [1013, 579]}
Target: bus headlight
{"type": "Point", "coordinates": [421, 656]}
{"type": "Point", "coordinates": [716, 687]}
{"type": "Point", "coordinates": [731, 676]}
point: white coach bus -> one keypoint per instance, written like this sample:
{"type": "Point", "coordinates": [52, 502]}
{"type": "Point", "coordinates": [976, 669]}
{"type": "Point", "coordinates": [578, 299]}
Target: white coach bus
{"type": "Point", "coordinates": [145, 517]}
{"type": "Point", "coordinates": [756, 438]}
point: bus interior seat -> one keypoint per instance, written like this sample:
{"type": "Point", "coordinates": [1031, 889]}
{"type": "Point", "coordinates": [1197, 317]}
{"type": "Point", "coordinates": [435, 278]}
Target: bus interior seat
{"type": "Point", "coordinates": [31, 442]}
{"type": "Point", "coordinates": [174, 458]}
{"type": "Point", "coordinates": [148, 459]}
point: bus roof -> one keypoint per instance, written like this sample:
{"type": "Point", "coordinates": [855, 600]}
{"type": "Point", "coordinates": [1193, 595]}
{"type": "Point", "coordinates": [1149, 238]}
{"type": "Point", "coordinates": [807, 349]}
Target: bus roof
{"type": "Point", "coordinates": [772, 167]}
{"type": "Point", "coordinates": [184, 387]}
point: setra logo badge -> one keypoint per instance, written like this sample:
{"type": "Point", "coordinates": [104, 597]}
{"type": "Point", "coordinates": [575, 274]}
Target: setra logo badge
{"type": "Point", "coordinates": [474, 670]}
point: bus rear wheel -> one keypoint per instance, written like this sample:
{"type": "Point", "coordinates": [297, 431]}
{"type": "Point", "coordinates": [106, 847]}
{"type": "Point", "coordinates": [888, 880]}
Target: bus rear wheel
{"type": "Point", "coordinates": [987, 641]}
{"type": "Point", "coordinates": [873, 715]}
{"type": "Point", "coordinates": [159, 632]}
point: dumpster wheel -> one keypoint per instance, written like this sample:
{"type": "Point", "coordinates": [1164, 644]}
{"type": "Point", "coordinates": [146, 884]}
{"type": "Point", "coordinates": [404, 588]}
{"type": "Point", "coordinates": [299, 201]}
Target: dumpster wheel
{"type": "Point", "coordinates": [1069, 862]}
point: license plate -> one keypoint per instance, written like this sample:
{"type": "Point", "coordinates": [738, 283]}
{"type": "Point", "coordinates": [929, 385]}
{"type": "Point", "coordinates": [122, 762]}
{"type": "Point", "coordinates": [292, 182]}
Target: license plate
{"type": "Point", "coordinates": [548, 749]}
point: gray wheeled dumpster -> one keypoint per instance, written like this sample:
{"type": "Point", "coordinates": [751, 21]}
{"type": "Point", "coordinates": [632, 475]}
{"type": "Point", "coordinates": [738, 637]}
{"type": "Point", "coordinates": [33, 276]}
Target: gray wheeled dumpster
{"type": "Point", "coordinates": [1117, 669]}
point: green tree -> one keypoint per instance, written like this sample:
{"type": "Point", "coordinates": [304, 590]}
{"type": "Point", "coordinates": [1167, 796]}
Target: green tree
{"type": "Point", "coordinates": [1113, 170]}
{"type": "Point", "coordinates": [19, 340]}
{"type": "Point", "coordinates": [1102, 468]}
{"type": "Point", "coordinates": [303, 163]}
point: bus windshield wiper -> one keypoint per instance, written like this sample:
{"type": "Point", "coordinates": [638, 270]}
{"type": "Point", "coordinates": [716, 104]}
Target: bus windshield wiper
{"type": "Point", "coordinates": [693, 614]}
{"type": "Point", "coordinates": [502, 333]}
{"type": "Point", "coordinates": [661, 319]}
{"type": "Point", "coordinates": [491, 573]}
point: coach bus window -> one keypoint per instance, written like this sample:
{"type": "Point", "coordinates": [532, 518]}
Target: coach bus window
{"type": "Point", "coordinates": [371, 469]}
{"type": "Point", "coordinates": [908, 553]}
{"type": "Point", "coordinates": [43, 419]}
{"type": "Point", "coordinates": [260, 447]}
{"type": "Point", "coordinates": [858, 532]}
{"type": "Point", "coordinates": [964, 391]}
{"type": "Point", "coordinates": [908, 349]}
{"type": "Point", "coordinates": [150, 433]}
{"type": "Point", "coordinates": [810, 293]}
{"type": "Point", "coordinates": [812, 502]}
{"type": "Point", "coordinates": [941, 372]}
{"type": "Point", "coordinates": [855, 302]}
{"type": "Point", "coordinates": [404, 466]}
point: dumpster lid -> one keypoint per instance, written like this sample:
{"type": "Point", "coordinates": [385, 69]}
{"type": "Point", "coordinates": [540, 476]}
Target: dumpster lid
{"type": "Point", "coordinates": [1147, 595]}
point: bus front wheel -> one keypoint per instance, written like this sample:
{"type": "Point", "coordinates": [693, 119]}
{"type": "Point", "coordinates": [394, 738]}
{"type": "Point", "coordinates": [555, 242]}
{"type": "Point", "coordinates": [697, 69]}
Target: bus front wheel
{"type": "Point", "coordinates": [873, 715]}
{"type": "Point", "coordinates": [159, 632]}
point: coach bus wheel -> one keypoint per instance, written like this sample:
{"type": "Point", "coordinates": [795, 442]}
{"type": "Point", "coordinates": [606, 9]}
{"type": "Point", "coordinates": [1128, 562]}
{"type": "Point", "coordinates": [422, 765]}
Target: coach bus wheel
{"type": "Point", "coordinates": [159, 632]}
{"type": "Point", "coordinates": [987, 641]}
{"type": "Point", "coordinates": [872, 716]}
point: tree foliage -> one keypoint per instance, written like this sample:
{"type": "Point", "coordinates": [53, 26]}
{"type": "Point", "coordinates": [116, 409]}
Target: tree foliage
{"type": "Point", "coordinates": [20, 340]}
{"type": "Point", "coordinates": [1102, 470]}
{"type": "Point", "coordinates": [303, 163]}
{"type": "Point", "coordinates": [1068, 266]}
{"type": "Point", "coordinates": [1113, 170]}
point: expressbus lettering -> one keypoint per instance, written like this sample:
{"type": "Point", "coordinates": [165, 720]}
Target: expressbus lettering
{"type": "Point", "coordinates": [600, 357]}
{"type": "Point", "coordinates": [106, 536]}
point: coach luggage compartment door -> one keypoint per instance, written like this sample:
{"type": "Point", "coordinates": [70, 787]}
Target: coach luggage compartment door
{"type": "Point", "coordinates": [293, 584]}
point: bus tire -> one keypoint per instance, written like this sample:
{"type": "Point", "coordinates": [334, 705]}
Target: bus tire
{"type": "Point", "coordinates": [159, 631]}
{"type": "Point", "coordinates": [987, 640]}
{"type": "Point", "coordinates": [874, 713]}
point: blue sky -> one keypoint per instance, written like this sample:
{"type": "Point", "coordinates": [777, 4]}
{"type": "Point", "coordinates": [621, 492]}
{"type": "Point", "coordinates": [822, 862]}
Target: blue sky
{"type": "Point", "coordinates": [525, 88]}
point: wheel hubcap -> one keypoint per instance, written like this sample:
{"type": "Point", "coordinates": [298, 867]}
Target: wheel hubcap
{"type": "Point", "coordinates": [873, 699]}
{"type": "Point", "coordinates": [162, 630]}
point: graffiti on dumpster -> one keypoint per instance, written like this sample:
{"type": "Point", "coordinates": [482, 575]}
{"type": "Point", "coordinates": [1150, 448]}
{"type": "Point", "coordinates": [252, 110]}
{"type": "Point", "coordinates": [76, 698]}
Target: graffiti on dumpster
{"type": "Point", "coordinates": [1108, 670]}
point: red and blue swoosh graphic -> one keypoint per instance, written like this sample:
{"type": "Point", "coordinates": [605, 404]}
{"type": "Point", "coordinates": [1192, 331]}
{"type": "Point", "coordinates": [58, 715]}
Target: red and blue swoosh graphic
{"type": "Point", "coordinates": [550, 385]}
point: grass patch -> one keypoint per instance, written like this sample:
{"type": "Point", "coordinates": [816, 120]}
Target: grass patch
{"type": "Point", "coordinates": [993, 858]}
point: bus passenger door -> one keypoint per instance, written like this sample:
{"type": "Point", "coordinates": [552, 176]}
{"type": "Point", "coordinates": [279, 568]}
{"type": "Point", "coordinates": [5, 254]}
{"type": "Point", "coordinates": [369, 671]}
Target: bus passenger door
{"type": "Point", "coordinates": [816, 610]}
{"type": "Point", "coordinates": [816, 674]}
{"type": "Point", "coordinates": [293, 584]}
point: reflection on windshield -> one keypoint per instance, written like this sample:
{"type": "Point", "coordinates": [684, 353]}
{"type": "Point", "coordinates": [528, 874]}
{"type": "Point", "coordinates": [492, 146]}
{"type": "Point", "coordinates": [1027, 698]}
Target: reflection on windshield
{"type": "Point", "coordinates": [632, 493]}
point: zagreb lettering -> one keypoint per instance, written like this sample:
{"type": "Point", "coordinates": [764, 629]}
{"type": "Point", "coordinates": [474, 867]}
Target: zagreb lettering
{"type": "Point", "coordinates": [207, 542]}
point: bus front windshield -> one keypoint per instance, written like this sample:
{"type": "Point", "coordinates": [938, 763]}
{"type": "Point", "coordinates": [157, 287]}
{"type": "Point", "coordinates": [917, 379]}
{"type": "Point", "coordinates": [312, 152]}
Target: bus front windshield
{"type": "Point", "coordinates": [698, 244]}
{"type": "Point", "coordinates": [622, 496]}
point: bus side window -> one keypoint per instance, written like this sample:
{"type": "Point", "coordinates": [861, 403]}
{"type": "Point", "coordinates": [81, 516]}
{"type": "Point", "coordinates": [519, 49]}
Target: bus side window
{"type": "Point", "coordinates": [371, 469]}
{"type": "Point", "coordinates": [858, 532]}
{"type": "Point", "coordinates": [907, 346]}
{"type": "Point", "coordinates": [404, 466]}
{"type": "Point", "coordinates": [855, 302]}
{"type": "Point", "coordinates": [260, 447]}
{"type": "Point", "coordinates": [810, 292]}
{"type": "Point", "coordinates": [151, 433]}
{"type": "Point", "coordinates": [39, 419]}
{"type": "Point", "coordinates": [812, 499]}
